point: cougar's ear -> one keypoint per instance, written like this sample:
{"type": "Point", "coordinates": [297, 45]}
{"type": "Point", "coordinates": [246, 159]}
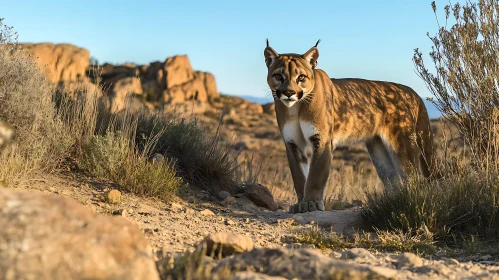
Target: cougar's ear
{"type": "Point", "coordinates": [312, 55]}
{"type": "Point", "coordinates": [270, 55]}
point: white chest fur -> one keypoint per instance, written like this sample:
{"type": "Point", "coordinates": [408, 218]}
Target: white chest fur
{"type": "Point", "coordinates": [299, 132]}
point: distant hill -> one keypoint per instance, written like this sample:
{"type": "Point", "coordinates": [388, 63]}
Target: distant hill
{"type": "Point", "coordinates": [258, 99]}
{"type": "Point", "coordinates": [432, 110]}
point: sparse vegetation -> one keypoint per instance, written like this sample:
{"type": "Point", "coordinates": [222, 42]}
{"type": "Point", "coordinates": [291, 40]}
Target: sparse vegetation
{"type": "Point", "coordinates": [114, 157]}
{"type": "Point", "coordinates": [112, 145]}
{"type": "Point", "coordinates": [41, 139]}
{"type": "Point", "coordinates": [463, 201]}
{"type": "Point", "coordinates": [420, 243]}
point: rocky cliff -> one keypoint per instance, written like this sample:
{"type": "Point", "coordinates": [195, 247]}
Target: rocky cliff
{"type": "Point", "coordinates": [60, 62]}
{"type": "Point", "coordinates": [172, 81]}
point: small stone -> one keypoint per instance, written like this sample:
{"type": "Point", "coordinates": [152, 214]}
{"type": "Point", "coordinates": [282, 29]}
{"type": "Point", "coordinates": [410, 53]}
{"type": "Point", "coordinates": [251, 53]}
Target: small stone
{"type": "Point", "coordinates": [336, 254]}
{"type": "Point", "coordinates": [158, 159]}
{"type": "Point", "coordinates": [229, 201]}
{"type": "Point", "coordinates": [230, 222]}
{"type": "Point", "coordinates": [189, 211]}
{"type": "Point", "coordinates": [452, 261]}
{"type": "Point", "coordinates": [300, 246]}
{"type": "Point", "coordinates": [286, 222]}
{"type": "Point", "coordinates": [113, 196]}
{"type": "Point", "coordinates": [207, 212]}
{"type": "Point", "coordinates": [175, 207]}
{"type": "Point", "coordinates": [191, 199]}
{"type": "Point", "coordinates": [247, 220]}
{"type": "Point", "coordinates": [120, 212]}
{"type": "Point", "coordinates": [409, 260]}
{"type": "Point", "coordinates": [226, 244]}
{"type": "Point", "coordinates": [436, 268]}
{"type": "Point", "coordinates": [248, 275]}
{"type": "Point", "coordinates": [486, 258]}
{"type": "Point", "coordinates": [386, 272]}
{"type": "Point", "coordinates": [223, 194]}
{"type": "Point", "coordinates": [261, 196]}
{"type": "Point", "coordinates": [357, 253]}
{"type": "Point", "coordinates": [148, 232]}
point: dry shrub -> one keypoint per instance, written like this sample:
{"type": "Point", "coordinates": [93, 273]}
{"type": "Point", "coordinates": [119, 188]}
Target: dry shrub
{"type": "Point", "coordinates": [464, 201]}
{"type": "Point", "coordinates": [464, 83]}
{"type": "Point", "coordinates": [52, 124]}
{"type": "Point", "coordinates": [41, 140]}
{"type": "Point", "coordinates": [115, 157]}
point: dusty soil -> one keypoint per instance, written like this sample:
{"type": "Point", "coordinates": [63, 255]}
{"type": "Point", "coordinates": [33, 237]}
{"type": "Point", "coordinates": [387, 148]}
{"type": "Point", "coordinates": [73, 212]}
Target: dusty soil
{"type": "Point", "coordinates": [176, 227]}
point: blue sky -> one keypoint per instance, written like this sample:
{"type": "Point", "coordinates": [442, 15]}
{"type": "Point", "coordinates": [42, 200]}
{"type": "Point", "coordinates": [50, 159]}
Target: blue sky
{"type": "Point", "coordinates": [364, 39]}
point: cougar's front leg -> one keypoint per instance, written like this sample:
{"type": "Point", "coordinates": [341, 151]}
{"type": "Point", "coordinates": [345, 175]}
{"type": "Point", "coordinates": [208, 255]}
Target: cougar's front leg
{"type": "Point", "coordinates": [320, 167]}
{"type": "Point", "coordinates": [294, 159]}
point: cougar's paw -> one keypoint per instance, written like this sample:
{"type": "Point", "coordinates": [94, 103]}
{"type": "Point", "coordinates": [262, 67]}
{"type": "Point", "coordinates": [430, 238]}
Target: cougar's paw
{"type": "Point", "coordinates": [307, 206]}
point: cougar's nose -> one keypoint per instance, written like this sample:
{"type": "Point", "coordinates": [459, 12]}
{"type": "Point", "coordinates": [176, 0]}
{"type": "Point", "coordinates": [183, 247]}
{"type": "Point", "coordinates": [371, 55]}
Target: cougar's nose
{"type": "Point", "coordinates": [288, 93]}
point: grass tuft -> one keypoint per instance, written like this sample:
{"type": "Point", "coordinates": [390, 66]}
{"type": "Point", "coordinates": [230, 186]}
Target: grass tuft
{"type": "Point", "coordinates": [420, 243]}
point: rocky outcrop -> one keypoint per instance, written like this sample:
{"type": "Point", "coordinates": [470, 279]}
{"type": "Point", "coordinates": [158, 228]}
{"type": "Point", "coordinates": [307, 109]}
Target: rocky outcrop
{"type": "Point", "coordinates": [60, 62]}
{"type": "Point", "coordinates": [45, 236]}
{"type": "Point", "coordinates": [269, 108]}
{"type": "Point", "coordinates": [173, 81]}
{"type": "Point", "coordinates": [170, 82]}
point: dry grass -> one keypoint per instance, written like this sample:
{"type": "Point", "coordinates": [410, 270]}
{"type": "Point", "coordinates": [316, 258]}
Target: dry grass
{"type": "Point", "coordinates": [114, 145]}
{"type": "Point", "coordinates": [41, 139]}
{"type": "Point", "coordinates": [420, 243]}
{"type": "Point", "coordinates": [114, 157]}
{"type": "Point", "coordinates": [464, 200]}
{"type": "Point", "coordinates": [200, 158]}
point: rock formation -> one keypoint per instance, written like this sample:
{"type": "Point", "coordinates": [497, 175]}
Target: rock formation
{"type": "Point", "coordinates": [157, 84]}
{"type": "Point", "coordinates": [60, 62]}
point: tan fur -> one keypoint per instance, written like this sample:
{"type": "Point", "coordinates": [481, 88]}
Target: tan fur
{"type": "Point", "coordinates": [322, 113]}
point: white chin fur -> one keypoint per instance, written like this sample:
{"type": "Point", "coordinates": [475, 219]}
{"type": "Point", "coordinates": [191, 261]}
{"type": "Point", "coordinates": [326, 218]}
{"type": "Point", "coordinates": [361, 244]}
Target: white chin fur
{"type": "Point", "coordinates": [288, 102]}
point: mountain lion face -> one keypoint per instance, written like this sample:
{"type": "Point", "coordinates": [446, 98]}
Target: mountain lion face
{"type": "Point", "coordinates": [291, 76]}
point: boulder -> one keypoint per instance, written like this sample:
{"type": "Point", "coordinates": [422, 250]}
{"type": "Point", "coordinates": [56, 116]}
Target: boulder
{"type": "Point", "coordinates": [122, 88]}
{"type": "Point", "coordinates": [46, 236]}
{"type": "Point", "coordinates": [60, 62]}
{"type": "Point", "coordinates": [254, 108]}
{"type": "Point", "coordinates": [409, 260]}
{"type": "Point", "coordinates": [269, 108]}
{"type": "Point", "coordinates": [260, 195]}
{"type": "Point", "coordinates": [357, 253]}
{"type": "Point", "coordinates": [209, 82]}
{"type": "Point", "coordinates": [177, 71]}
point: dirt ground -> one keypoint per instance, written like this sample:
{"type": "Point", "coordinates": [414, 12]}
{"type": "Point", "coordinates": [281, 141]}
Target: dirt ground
{"type": "Point", "coordinates": [176, 227]}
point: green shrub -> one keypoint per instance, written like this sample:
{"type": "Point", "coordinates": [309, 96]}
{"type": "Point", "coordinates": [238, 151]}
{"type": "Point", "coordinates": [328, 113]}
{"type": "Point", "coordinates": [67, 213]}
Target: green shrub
{"type": "Point", "coordinates": [463, 204]}
{"type": "Point", "coordinates": [203, 161]}
{"type": "Point", "coordinates": [114, 157]}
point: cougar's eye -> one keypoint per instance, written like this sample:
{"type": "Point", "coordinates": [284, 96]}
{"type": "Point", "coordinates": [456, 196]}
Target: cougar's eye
{"type": "Point", "coordinates": [278, 77]}
{"type": "Point", "coordinates": [301, 78]}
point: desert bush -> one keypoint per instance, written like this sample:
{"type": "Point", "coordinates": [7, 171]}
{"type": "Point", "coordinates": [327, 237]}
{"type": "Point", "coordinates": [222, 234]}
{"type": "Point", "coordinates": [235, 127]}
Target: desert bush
{"type": "Point", "coordinates": [115, 157]}
{"type": "Point", "coordinates": [202, 161]}
{"type": "Point", "coordinates": [463, 201]}
{"type": "Point", "coordinates": [53, 123]}
{"type": "Point", "coordinates": [41, 140]}
{"type": "Point", "coordinates": [460, 204]}
{"type": "Point", "coordinates": [464, 82]}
